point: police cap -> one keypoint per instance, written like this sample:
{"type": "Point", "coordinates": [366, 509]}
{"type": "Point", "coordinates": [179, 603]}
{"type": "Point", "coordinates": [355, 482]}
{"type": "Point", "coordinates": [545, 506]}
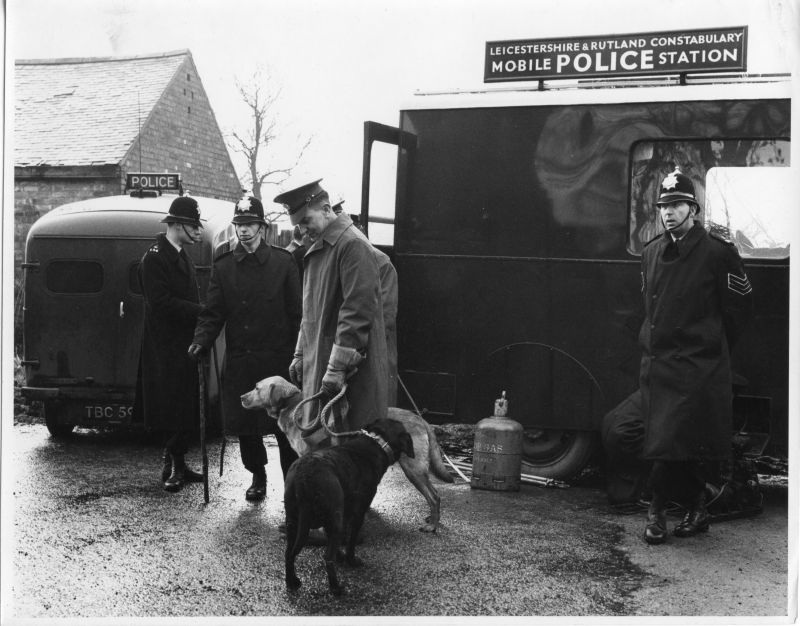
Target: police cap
{"type": "Point", "coordinates": [296, 201]}
{"type": "Point", "coordinates": [676, 187]}
{"type": "Point", "coordinates": [183, 210]}
{"type": "Point", "coordinates": [248, 210]}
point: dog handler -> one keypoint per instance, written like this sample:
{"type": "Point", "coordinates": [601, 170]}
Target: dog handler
{"type": "Point", "coordinates": [167, 385]}
{"type": "Point", "coordinates": [342, 336]}
{"type": "Point", "coordinates": [697, 299]}
{"type": "Point", "coordinates": [254, 292]}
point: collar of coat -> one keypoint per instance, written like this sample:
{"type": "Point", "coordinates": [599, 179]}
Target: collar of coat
{"type": "Point", "coordinates": [261, 253]}
{"type": "Point", "coordinates": [685, 243]}
{"type": "Point", "coordinates": [172, 254]}
{"type": "Point", "coordinates": [333, 232]}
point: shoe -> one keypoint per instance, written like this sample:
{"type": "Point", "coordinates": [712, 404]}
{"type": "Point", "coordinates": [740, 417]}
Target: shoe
{"type": "Point", "coordinates": [258, 490]}
{"type": "Point", "coordinates": [696, 519]}
{"type": "Point", "coordinates": [176, 479]}
{"type": "Point", "coordinates": [656, 530]}
{"type": "Point", "coordinates": [191, 476]}
{"type": "Point", "coordinates": [166, 468]}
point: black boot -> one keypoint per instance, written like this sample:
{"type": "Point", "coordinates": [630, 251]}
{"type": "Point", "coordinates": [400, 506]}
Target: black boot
{"type": "Point", "coordinates": [656, 530]}
{"type": "Point", "coordinates": [166, 468]}
{"type": "Point", "coordinates": [177, 478]}
{"type": "Point", "coordinates": [696, 519]}
{"type": "Point", "coordinates": [258, 490]}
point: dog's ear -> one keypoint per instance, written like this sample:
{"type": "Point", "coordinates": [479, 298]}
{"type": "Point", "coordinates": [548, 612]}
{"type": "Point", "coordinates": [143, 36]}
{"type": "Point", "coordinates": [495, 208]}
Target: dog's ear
{"type": "Point", "coordinates": [406, 444]}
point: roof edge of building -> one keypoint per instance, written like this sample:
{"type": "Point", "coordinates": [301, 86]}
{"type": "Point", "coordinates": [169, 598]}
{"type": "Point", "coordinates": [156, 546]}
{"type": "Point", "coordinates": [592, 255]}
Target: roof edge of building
{"type": "Point", "coordinates": [76, 60]}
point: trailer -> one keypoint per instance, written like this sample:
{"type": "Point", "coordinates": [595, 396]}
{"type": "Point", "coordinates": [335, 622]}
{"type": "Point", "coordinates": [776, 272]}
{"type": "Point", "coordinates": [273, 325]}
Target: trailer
{"type": "Point", "coordinates": [83, 305]}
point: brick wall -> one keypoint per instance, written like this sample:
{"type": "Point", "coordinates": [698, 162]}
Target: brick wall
{"type": "Point", "coordinates": [182, 135]}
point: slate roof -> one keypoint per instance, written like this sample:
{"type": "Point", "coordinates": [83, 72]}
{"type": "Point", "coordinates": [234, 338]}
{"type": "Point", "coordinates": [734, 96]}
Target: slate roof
{"type": "Point", "coordinates": [97, 102]}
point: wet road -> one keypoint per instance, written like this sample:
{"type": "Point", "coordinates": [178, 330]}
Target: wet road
{"type": "Point", "coordinates": [95, 535]}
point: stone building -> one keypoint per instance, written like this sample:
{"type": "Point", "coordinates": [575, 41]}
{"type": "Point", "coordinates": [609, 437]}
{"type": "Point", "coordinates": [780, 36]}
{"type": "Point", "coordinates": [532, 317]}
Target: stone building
{"type": "Point", "coordinates": [81, 124]}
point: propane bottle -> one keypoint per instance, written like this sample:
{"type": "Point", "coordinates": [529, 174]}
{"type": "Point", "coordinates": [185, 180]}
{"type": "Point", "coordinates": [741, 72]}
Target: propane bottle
{"type": "Point", "coordinates": [497, 451]}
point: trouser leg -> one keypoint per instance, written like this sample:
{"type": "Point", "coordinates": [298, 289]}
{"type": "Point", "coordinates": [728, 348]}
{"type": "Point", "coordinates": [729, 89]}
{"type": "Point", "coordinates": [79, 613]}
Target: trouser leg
{"type": "Point", "coordinates": [254, 458]}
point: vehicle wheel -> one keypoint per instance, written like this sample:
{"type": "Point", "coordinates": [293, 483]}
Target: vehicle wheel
{"type": "Point", "coordinates": [51, 420]}
{"type": "Point", "coordinates": [560, 454]}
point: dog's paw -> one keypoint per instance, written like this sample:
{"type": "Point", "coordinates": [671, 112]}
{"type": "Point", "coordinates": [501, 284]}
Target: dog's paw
{"type": "Point", "coordinates": [428, 527]}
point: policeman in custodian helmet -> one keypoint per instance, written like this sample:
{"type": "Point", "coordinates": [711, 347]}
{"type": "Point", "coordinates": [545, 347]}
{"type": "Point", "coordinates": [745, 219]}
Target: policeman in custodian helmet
{"type": "Point", "coordinates": [167, 381]}
{"type": "Point", "coordinates": [697, 300]}
{"type": "Point", "coordinates": [254, 293]}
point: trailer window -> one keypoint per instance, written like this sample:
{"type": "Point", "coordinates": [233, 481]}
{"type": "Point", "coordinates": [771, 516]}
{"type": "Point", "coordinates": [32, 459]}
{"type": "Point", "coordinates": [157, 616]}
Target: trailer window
{"type": "Point", "coordinates": [743, 186]}
{"type": "Point", "coordinates": [72, 276]}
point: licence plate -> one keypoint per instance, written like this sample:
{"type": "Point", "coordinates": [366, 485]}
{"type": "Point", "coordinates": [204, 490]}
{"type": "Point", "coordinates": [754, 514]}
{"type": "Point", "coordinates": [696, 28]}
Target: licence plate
{"type": "Point", "coordinates": [112, 413]}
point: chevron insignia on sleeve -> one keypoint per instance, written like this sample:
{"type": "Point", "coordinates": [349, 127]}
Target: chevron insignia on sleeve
{"type": "Point", "coordinates": [739, 284]}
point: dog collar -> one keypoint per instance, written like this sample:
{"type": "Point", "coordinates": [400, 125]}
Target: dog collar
{"type": "Point", "coordinates": [381, 442]}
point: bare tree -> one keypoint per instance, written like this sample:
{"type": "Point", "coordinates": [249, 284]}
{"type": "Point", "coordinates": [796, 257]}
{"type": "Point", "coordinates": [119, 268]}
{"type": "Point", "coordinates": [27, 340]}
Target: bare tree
{"type": "Point", "coordinates": [256, 143]}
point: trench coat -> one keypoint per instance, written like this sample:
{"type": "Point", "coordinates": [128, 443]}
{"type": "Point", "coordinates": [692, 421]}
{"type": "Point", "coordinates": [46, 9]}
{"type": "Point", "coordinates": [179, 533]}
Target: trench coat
{"type": "Point", "coordinates": [696, 306]}
{"type": "Point", "coordinates": [256, 297]}
{"type": "Point", "coordinates": [167, 384]}
{"type": "Point", "coordinates": [342, 305]}
{"type": "Point", "coordinates": [388, 277]}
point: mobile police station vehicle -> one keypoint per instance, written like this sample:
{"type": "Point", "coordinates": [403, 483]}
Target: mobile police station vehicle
{"type": "Point", "coordinates": [520, 215]}
{"type": "Point", "coordinates": [83, 308]}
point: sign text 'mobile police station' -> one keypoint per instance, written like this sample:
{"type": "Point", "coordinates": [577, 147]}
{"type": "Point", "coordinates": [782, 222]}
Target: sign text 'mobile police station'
{"type": "Point", "coordinates": [674, 52]}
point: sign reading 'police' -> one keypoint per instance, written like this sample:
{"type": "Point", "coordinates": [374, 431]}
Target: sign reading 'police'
{"type": "Point", "coordinates": [674, 52]}
{"type": "Point", "coordinates": [163, 182]}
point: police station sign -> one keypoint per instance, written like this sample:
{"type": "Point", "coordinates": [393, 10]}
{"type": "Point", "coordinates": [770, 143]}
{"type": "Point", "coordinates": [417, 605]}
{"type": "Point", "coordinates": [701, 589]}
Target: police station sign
{"type": "Point", "coordinates": [673, 52]}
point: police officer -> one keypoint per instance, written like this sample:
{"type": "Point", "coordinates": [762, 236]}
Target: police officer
{"type": "Point", "coordinates": [342, 337]}
{"type": "Point", "coordinates": [254, 292]}
{"type": "Point", "coordinates": [697, 299]}
{"type": "Point", "coordinates": [167, 384]}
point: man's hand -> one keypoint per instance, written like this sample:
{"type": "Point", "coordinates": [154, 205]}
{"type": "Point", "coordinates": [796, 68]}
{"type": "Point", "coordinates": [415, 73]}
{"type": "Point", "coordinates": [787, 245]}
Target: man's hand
{"type": "Point", "coordinates": [196, 351]}
{"type": "Point", "coordinates": [296, 371]}
{"type": "Point", "coordinates": [333, 381]}
{"type": "Point", "coordinates": [341, 366]}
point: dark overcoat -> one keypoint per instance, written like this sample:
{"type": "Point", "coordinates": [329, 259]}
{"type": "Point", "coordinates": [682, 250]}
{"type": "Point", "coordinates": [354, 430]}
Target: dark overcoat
{"type": "Point", "coordinates": [696, 306]}
{"type": "Point", "coordinates": [167, 385]}
{"type": "Point", "coordinates": [256, 297]}
{"type": "Point", "coordinates": [342, 305]}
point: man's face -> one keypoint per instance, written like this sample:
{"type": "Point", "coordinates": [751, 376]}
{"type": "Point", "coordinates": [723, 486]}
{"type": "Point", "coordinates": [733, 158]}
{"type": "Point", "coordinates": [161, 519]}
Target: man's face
{"type": "Point", "coordinates": [677, 217]}
{"type": "Point", "coordinates": [188, 235]}
{"type": "Point", "coordinates": [248, 233]}
{"type": "Point", "coordinates": [316, 220]}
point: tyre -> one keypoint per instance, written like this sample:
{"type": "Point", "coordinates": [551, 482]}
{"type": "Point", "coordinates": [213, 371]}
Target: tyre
{"type": "Point", "coordinates": [56, 429]}
{"type": "Point", "coordinates": [560, 454]}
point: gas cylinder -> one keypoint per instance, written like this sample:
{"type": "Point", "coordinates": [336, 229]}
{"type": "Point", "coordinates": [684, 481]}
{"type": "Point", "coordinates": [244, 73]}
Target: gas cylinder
{"type": "Point", "coordinates": [497, 451]}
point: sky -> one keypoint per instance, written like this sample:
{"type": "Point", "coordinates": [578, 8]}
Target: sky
{"type": "Point", "coordinates": [338, 64]}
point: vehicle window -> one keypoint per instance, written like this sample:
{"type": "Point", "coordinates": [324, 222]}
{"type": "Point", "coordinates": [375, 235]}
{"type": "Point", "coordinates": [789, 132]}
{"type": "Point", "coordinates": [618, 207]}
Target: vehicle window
{"type": "Point", "coordinates": [74, 276]}
{"type": "Point", "coordinates": [133, 279]}
{"type": "Point", "coordinates": [742, 185]}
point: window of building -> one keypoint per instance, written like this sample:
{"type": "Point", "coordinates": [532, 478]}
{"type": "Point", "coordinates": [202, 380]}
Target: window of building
{"type": "Point", "coordinates": [743, 186]}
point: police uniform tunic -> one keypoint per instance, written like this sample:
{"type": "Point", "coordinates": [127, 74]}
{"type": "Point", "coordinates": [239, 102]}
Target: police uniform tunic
{"type": "Point", "coordinates": [697, 299]}
{"type": "Point", "coordinates": [257, 298]}
{"type": "Point", "coordinates": [167, 387]}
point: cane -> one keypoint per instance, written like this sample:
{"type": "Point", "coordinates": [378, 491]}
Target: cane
{"type": "Point", "coordinates": [221, 407]}
{"type": "Point", "coordinates": [201, 374]}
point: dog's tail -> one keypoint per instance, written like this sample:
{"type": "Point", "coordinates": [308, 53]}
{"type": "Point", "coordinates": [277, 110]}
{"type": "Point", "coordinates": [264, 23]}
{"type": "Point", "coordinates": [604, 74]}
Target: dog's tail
{"type": "Point", "coordinates": [438, 467]}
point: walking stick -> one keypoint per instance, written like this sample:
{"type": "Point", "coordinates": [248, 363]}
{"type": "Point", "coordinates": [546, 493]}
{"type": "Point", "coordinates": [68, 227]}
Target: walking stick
{"type": "Point", "coordinates": [202, 377]}
{"type": "Point", "coordinates": [221, 407]}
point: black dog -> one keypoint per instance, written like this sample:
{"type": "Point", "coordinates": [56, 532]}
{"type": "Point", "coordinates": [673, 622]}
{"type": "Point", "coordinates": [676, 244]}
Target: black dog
{"type": "Point", "coordinates": [333, 488]}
